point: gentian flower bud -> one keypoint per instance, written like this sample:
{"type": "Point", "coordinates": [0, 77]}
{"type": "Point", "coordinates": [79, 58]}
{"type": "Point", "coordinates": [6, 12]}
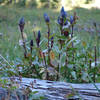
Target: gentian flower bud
{"type": "Point", "coordinates": [31, 43]}
{"type": "Point", "coordinates": [46, 17]}
{"type": "Point", "coordinates": [21, 24]}
{"type": "Point", "coordinates": [52, 41]}
{"type": "Point", "coordinates": [63, 13]}
{"type": "Point", "coordinates": [71, 19]}
{"type": "Point", "coordinates": [52, 38]}
{"type": "Point", "coordinates": [38, 38]}
{"type": "Point", "coordinates": [39, 34]}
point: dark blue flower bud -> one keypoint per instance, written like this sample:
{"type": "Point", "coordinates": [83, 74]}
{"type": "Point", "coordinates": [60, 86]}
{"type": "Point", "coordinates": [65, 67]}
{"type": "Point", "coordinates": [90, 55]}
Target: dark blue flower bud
{"type": "Point", "coordinates": [31, 46]}
{"type": "Point", "coordinates": [52, 40]}
{"type": "Point", "coordinates": [71, 19]}
{"type": "Point", "coordinates": [46, 17]}
{"type": "Point", "coordinates": [22, 21]}
{"type": "Point", "coordinates": [63, 13]}
{"type": "Point", "coordinates": [38, 38]}
{"type": "Point", "coordinates": [52, 37]}
{"type": "Point", "coordinates": [31, 43]}
{"type": "Point", "coordinates": [21, 24]}
{"type": "Point", "coordinates": [39, 34]}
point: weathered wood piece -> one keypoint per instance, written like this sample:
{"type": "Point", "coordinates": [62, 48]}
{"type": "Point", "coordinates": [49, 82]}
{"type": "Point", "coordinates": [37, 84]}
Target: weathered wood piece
{"type": "Point", "coordinates": [53, 90]}
{"type": "Point", "coordinates": [58, 90]}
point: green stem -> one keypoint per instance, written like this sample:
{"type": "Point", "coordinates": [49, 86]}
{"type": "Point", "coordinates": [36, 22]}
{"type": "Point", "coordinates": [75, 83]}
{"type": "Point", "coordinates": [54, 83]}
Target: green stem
{"type": "Point", "coordinates": [47, 74]}
{"type": "Point", "coordinates": [48, 45]}
{"type": "Point", "coordinates": [24, 45]}
{"type": "Point", "coordinates": [95, 63]}
{"type": "Point", "coordinates": [73, 46]}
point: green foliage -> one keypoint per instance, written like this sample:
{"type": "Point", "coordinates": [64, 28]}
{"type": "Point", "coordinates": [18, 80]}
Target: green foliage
{"type": "Point", "coordinates": [75, 71]}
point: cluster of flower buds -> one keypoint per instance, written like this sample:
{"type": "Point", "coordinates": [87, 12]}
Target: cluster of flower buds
{"type": "Point", "coordinates": [46, 18]}
{"type": "Point", "coordinates": [65, 23]}
{"type": "Point", "coordinates": [38, 38]}
{"type": "Point", "coordinates": [63, 14]}
{"type": "Point", "coordinates": [21, 24]}
{"type": "Point", "coordinates": [62, 17]}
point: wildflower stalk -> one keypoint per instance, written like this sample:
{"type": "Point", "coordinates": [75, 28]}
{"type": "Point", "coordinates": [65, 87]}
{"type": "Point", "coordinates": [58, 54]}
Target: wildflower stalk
{"type": "Point", "coordinates": [97, 39]}
{"type": "Point", "coordinates": [21, 26]}
{"type": "Point", "coordinates": [73, 46]}
{"type": "Point", "coordinates": [86, 58]}
{"type": "Point", "coordinates": [24, 45]}
{"type": "Point", "coordinates": [66, 71]}
{"type": "Point", "coordinates": [47, 20]}
{"type": "Point", "coordinates": [61, 19]}
{"type": "Point", "coordinates": [90, 66]}
{"type": "Point", "coordinates": [47, 74]}
{"type": "Point", "coordinates": [48, 44]}
{"type": "Point", "coordinates": [61, 30]}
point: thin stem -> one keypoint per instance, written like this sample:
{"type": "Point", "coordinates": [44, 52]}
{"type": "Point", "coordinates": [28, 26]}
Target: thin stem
{"type": "Point", "coordinates": [90, 64]}
{"type": "Point", "coordinates": [95, 64]}
{"type": "Point", "coordinates": [86, 58]}
{"type": "Point", "coordinates": [24, 45]}
{"type": "Point", "coordinates": [73, 46]}
{"type": "Point", "coordinates": [95, 56]}
{"type": "Point", "coordinates": [34, 35]}
{"type": "Point", "coordinates": [97, 39]}
{"type": "Point", "coordinates": [47, 74]}
{"type": "Point", "coordinates": [48, 44]}
{"type": "Point", "coordinates": [66, 62]}
{"type": "Point", "coordinates": [31, 49]}
{"type": "Point", "coordinates": [59, 65]}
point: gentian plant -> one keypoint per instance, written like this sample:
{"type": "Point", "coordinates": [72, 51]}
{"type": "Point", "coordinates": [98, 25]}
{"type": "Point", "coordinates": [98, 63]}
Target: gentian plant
{"type": "Point", "coordinates": [60, 58]}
